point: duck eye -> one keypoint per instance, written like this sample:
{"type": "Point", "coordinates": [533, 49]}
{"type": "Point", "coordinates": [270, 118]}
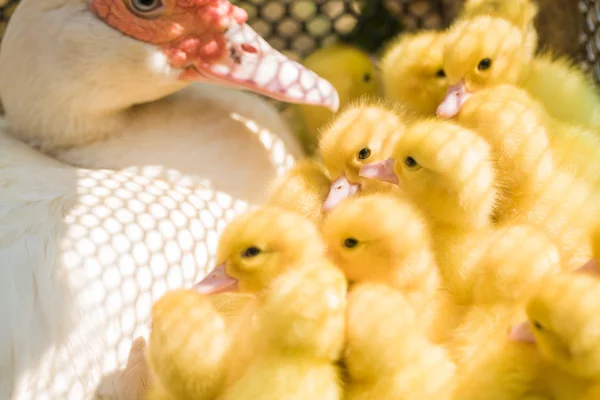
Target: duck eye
{"type": "Point", "coordinates": [364, 153]}
{"type": "Point", "coordinates": [484, 64]}
{"type": "Point", "coordinates": [538, 326]}
{"type": "Point", "coordinates": [145, 6]}
{"type": "Point", "coordinates": [410, 162]}
{"type": "Point", "coordinates": [367, 78]}
{"type": "Point", "coordinates": [250, 252]}
{"type": "Point", "coordinates": [440, 73]}
{"type": "Point", "coordinates": [350, 243]}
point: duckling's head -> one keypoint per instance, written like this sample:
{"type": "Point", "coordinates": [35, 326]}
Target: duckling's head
{"type": "Point", "coordinates": [302, 189]}
{"type": "Point", "coordinates": [564, 321]}
{"type": "Point", "coordinates": [445, 169]}
{"type": "Point", "coordinates": [377, 238]}
{"type": "Point", "coordinates": [304, 311]}
{"type": "Point", "coordinates": [412, 71]}
{"type": "Point", "coordinates": [479, 53]}
{"type": "Point", "coordinates": [259, 246]}
{"type": "Point", "coordinates": [365, 132]}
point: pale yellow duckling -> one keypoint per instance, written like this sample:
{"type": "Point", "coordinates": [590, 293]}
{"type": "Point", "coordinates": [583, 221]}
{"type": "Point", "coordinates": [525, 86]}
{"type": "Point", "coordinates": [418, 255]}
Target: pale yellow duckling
{"type": "Point", "coordinates": [387, 355]}
{"type": "Point", "coordinates": [447, 171]}
{"type": "Point", "coordinates": [487, 51]}
{"type": "Point", "coordinates": [364, 133]}
{"type": "Point", "coordinates": [260, 245]}
{"type": "Point", "coordinates": [412, 71]}
{"type": "Point", "coordinates": [299, 333]}
{"type": "Point", "coordinates": [254, 249]}
{"type": "Point", "coordinates": [302, 189]}
{"type": "Point", "coordinates": [384, 238]}
{"type": "Point", "coordinates": [188, 347]}
{"type": "Point", "coordinates": [564, 323]}
{"type": "Point", "coordinates": [534, 168]}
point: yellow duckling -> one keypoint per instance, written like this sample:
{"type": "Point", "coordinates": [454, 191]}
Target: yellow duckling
{"type": "Point", "coordinates": [353, 74]}
{"type": "Point", "coordinates": [303, 189]}
{"type": "Point", "coordinates": [563, 322]}
{"type": "Point", "coordinates": [254, 249]}
{"type": "Point", "coordinates": [447, 170]}
{"type": "Point", "coordinates": [299, 334]}
{"type": "Point", "coordinates": [535, 166]}
{"type": "Point", "coordinates": [259, 246]}
{"type": "Point", "coordinates": [387, 355]}
{"type": "Point", "coordinates": [383, 238]}
{"type": "Point", "coordinates": [412, 71]}
{"type": "Point", "coordinates": [500, 291]}
{"type": "Point", "coordinates": [188, 347]}
{"type": "Point", "coordinates": [364, 133]}
{"type": "Point", "coordinates": [487, 51]}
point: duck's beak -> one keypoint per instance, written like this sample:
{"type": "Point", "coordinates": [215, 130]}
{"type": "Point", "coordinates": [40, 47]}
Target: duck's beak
{"type": "Point", "coordinates": [380, 171]}
{"type": "Point", "coordinates": [340, 189]}
{"type": "Point", "coordinates": [254, 65]}
{"type": "Point", "coordinates": [521, 333]}
{"type": "Point", "coordinates": [217, 282]}
{"type": "Point", "coordinates": [455, 98]}
{"type": "Point", "coordinates": [211, 42]}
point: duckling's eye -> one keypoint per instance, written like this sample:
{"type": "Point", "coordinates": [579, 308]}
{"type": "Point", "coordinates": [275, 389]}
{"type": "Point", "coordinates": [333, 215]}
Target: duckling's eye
{"type": "Point", "coordinates": [440, 73]}
{"type": "Point", "coordinates": [484, 64]}
{"type": "Point", "coordinates": [538, 326]}
{"type": "Point", "coordinates": [367, 77]}
{"type": "Point", "coordinates": [250, 252]}
{"type": "Point", "coordinates": [145, 6]}
{"type": "Point", "coordinates": [350, 243]}
{"type": "Point", "coordinates": [411, 162]}
{"type": "Point", "coordinates": [364, 153]}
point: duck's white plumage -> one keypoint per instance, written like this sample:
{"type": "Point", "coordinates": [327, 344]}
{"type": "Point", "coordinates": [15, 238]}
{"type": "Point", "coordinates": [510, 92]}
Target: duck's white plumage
{"type": "Point", "coordinates": [142, 172]}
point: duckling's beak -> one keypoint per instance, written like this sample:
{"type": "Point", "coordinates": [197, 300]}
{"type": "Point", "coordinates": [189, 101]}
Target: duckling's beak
{"type": "Point", "coordinates": [521, 333]}
{"type": "Point", "coordinates": [252, 64]}
{"type": "Point", "coordinates": [455, 98]}
{"type": "Point", "coordinates": [590, 267]}
{"type": "Point", "coordinates": [217, 282]}
{"type": "Point", "coordinates": [340, 189]}
{"type": "Point", "coordinates": [380, 171]}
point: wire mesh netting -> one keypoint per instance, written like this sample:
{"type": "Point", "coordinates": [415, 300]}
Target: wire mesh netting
{"type": "Point", "coordinates": [296, 27]}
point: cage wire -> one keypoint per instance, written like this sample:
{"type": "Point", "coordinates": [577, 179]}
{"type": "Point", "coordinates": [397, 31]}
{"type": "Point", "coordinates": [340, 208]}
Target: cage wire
{"type": "Point", "coordinates": [298, 27]}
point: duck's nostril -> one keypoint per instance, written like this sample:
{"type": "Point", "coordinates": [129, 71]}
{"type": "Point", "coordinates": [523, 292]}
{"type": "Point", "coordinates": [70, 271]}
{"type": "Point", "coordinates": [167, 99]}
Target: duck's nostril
{"type": "Point", "coordinates": [248, 48]}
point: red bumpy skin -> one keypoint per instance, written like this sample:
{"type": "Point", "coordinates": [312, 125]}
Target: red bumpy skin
{"type": "Point", "coordinates": [188, 30]}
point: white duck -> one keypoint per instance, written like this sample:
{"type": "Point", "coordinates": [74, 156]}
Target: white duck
{"type": "Point", "coordinates": [139, 170]}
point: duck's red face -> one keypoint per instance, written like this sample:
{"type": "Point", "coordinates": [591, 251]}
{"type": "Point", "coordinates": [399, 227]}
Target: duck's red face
{"type": "Point", "coordinates": [211, 42]}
